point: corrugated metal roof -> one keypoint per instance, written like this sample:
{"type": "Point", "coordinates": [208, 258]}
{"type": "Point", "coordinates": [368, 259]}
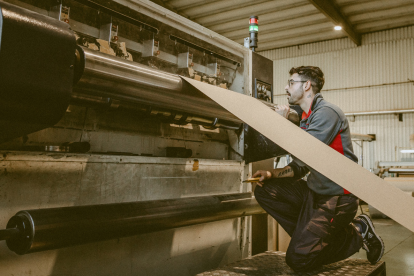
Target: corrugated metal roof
{"type": "Point", "coordinates": [284, 23]}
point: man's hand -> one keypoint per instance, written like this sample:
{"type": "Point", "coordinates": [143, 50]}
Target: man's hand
{"type": "Point", "coordinates": [264, 175]}
{"type": "Point", "coordinates": [275, 173]}
{"type": "Point", "coordinates": [283, 110]}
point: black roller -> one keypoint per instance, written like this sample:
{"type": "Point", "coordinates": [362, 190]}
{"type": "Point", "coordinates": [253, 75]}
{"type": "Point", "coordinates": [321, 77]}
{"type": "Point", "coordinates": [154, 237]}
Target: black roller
{"type": "Point", "coordinates": [37, 56]}
{"type": "Point", "coordinates": [43, 229]}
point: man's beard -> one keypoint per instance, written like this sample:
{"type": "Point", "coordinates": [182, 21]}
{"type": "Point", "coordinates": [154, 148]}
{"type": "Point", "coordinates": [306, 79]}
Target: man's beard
{"type": "Point", "coordinates": [294, 100]}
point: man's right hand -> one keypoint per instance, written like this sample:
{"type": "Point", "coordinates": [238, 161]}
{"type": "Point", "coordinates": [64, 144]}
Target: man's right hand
{"type": "Point", "coordinates": [264, 175]}
{"type": "Point", "coordinates": [283, 110]}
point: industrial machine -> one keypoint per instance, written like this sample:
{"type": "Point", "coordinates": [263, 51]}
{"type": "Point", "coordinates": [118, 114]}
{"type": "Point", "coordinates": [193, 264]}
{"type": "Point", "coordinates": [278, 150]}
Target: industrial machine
{"type": "Point", "coordinates": [102, 140]}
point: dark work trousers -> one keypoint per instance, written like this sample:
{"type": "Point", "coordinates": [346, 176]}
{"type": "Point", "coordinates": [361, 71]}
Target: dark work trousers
{"type": "Point", "coordinates": [319, 225]}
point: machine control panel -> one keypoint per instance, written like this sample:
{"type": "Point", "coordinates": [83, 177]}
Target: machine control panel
{"type": "Point", "coordinates": [263, 91]}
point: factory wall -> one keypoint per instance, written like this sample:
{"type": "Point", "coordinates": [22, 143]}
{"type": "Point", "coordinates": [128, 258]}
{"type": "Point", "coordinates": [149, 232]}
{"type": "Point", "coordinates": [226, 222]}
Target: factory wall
{"type": "Point", "coordinates": [378, 75]}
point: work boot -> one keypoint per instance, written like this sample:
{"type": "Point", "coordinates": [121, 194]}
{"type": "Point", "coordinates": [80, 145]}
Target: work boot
{"type": "Point", "coordinates": [372, 243]}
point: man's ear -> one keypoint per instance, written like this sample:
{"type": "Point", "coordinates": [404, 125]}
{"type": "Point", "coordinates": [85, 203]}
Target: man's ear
{"type": "Point", "coordinates": [308, 85]}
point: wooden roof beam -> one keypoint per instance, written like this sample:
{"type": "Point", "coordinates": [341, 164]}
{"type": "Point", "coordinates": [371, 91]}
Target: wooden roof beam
{"type": "Point", "coordinates": [327, 8]}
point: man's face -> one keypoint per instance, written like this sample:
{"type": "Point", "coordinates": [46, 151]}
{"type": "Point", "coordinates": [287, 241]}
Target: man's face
{"type": "Point", "coordinates": [294, 89]}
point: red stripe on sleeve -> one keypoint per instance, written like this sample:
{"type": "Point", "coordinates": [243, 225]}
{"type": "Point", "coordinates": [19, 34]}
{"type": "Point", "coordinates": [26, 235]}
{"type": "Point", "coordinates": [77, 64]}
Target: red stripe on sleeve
{"type": "Point", "coordinates": [337, 143]}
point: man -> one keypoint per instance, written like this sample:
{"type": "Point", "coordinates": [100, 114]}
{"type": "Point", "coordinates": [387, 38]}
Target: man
{"type": "Point", "coordinates": [318, 214]}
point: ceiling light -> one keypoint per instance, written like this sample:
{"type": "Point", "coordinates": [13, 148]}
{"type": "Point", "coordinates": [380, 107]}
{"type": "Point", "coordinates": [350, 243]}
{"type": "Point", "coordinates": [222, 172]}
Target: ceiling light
{"type": "Point", "coordinates": [407, 151]}
{"type": "Point", "coordinates": [338, 28]}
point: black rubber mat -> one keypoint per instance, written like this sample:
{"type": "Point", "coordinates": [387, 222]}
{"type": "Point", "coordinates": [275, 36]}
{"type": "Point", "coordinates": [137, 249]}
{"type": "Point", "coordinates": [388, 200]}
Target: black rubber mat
{"type": "Point", "coordinates": [273, 264]}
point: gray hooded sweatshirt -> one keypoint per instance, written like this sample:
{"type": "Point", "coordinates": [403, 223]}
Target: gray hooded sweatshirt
{"type": "Point", "coordinates": [326, 122]}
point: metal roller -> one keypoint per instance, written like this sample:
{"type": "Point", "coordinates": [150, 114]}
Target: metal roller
{"type": "Point", "coordinates": [37, 57]}
{"type": "Point", "coordinates": [103, 75]}
{"type": "Point", "coordinates": [44, 229]}
{"type": "Point", "coordinates": [113, 77]}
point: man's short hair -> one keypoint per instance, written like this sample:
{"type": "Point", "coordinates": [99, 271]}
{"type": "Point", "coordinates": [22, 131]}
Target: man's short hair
{"type": "Point", "coordinates": [312, 73]}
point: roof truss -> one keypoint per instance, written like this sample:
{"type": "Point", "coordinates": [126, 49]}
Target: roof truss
{"type": "Point", "coordinates": [327, 8]}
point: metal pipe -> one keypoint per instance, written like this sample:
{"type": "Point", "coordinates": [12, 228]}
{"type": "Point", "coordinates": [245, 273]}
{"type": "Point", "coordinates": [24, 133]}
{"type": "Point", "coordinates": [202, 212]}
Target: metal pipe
{"type": "Point", "coordinates": [380, 112]}
{"type": "Point", "coordinates": [108, 76]}
{"type": "Point", "coordinates": [401, 171]}
{"type": "Point", "coordinates": [53, 228]}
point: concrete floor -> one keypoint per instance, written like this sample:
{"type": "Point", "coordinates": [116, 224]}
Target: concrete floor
{"type": "Point", "coordinates": [399, 247]}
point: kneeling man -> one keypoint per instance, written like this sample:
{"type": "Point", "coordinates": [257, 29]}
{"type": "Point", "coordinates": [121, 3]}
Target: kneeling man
{"type": "Point", "coordinates": [318, 214]}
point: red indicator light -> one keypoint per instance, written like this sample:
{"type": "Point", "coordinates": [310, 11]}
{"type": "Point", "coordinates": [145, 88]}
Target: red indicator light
{"type": "Point", "coordinates": [253, 21]}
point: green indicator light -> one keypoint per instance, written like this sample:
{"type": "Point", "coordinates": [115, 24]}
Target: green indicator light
{"type": "Point", "coordinates": [254, 28]}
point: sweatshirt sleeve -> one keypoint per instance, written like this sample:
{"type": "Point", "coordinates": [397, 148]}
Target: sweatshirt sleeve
{"type": "Point", "coordinates": [299, 168]}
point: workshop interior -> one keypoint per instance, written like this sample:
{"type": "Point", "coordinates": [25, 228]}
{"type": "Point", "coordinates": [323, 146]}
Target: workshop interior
{"type": "Point", "coordinates": [113, 164]}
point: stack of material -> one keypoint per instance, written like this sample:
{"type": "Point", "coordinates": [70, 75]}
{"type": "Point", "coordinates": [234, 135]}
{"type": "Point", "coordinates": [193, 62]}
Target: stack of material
{"type": "Point", "coordinates": [398, 169]}
{"type": "Point", "coordinates": [402, 172]}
